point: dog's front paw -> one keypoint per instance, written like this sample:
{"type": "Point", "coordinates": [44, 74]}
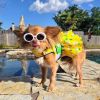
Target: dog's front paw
{"type": "Point", "coordinates": [38, 84]}
{"type": "Point", "coordinates": [51, 88]}
{"type": "Point", "coordinates": [79, 85]}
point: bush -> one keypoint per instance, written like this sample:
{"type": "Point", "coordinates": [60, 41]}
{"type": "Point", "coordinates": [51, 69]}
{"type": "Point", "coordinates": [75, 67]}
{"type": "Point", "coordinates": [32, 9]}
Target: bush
{"type": "Point", "coordinates": [1, 46]}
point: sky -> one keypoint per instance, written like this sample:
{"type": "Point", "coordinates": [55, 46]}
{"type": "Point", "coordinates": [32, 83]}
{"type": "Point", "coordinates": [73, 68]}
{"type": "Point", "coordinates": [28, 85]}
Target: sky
{"type": "Point", "coordinates": [37, 12]}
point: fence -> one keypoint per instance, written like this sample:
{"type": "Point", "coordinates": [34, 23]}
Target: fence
{"type": "Point", "coordinates": [94, 42]}
{"type": "Point", "coordinates": [9, 38]}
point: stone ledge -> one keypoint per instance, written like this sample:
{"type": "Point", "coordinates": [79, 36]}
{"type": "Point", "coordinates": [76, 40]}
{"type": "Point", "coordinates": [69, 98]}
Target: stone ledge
{"type": "Point", "coordinates": [14, 87]}
{"type": "Point", "coordinates": [15, 97]}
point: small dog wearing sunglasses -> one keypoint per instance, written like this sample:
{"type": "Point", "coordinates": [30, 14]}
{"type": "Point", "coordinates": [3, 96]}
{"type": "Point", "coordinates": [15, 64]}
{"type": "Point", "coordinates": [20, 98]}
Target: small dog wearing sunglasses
{"type": "Point", "coordinates": [50, 44]}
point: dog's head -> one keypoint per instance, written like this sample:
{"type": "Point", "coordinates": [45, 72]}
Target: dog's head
{"type": "Point", "coordinates": [37, 36]}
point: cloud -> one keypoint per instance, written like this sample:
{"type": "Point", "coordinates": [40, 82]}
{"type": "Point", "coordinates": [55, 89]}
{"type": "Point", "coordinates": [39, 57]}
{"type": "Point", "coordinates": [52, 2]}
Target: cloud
{"type": "Point", "coordinates": [82, 1]}
{"type": "Point", "coordinates": [49, 6]}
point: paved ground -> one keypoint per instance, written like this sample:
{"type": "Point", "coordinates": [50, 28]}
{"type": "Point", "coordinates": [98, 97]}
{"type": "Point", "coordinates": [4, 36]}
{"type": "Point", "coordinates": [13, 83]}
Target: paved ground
{"type": "Point", "coordinates": [65, 85]}
{"type": "Point", "coordinates": [17, 89]}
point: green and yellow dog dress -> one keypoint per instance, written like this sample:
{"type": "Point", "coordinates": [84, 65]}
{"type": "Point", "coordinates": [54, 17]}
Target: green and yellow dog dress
{"type": "Point", "coordinates": [70, 44]}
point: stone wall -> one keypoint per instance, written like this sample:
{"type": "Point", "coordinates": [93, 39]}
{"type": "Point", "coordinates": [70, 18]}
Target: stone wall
{"type": "Point", "coordinates": [8, 38]}
{"type": "Point", "coordinates": [94, 42]}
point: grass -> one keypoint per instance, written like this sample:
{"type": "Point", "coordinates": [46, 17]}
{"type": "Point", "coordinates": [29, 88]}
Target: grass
{"type": "Point", "coordinates": [9, 47]}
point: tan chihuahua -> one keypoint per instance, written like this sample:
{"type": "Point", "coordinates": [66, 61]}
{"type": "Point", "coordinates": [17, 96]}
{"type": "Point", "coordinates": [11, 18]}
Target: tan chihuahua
{"type": "Point", "coordinates": [42, 42]}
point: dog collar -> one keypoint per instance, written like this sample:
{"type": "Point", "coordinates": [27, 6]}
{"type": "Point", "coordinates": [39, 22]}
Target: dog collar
{"type": "Point", "coordinates": [57, 50]}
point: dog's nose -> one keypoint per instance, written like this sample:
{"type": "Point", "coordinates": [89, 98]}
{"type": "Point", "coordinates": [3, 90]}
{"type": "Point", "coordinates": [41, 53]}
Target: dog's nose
{"type": "Point", "coordinates": [34, 41]}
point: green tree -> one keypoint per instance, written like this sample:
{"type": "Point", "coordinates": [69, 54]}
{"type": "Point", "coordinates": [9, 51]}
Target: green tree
{"type": "Point", "coordinates": [95, 17]}
{"type": "Point", "coordinates": [71, 18]}
{"type": "Point", "coordinates": [78, 19]}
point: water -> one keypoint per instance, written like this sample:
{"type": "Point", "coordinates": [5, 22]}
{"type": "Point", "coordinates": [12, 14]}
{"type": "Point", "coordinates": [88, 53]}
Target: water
{"type": "Point", "coordinates": [94, 57]}
{"type": "Point", "coordinates": [10, 67]}
{"type": "Point", "coordinates": [14, 67]}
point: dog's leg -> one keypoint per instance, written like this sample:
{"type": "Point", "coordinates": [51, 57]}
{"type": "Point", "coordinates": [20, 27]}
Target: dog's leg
{"type": "Point", "coordinates": [76, 74]}
{"type": "Point", "coordinates": [79, 72]}
{"type": "Point", "coordinates": [78, 62]}
{"type": "Point", "coordinates": [50, 59]}
{"type": "Point", "coordinates": [44, 75]}
{"type": "Point", "coordinates": [53, 76]}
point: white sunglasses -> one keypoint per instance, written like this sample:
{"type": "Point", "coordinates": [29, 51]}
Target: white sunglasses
{"type": "Point", "coordinates": [29, 37]}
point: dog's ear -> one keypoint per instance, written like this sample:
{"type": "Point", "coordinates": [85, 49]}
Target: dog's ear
{"type": "Point", "coordinates": [52, 31]}
{"type": "Point", "coordinates": [19, 32]}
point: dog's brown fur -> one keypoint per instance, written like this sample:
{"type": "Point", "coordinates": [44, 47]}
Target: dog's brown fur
{"type": "Point", "coordinates": [52, 33]}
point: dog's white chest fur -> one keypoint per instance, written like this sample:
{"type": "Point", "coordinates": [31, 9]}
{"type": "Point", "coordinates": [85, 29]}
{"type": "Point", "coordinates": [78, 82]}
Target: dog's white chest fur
{"type": "Point", "coordinates": [41, 62]}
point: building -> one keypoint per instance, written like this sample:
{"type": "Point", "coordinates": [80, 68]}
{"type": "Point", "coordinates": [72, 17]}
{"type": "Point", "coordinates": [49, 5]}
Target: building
{"type": "Point", "coordinates": [7, 37]}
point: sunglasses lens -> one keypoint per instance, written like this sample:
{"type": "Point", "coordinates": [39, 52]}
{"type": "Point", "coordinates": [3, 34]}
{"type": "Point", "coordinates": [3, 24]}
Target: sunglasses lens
{"type": "Point", "coordinates": [40, 36]}
{"type": "Point", "coordinates": [28, 37]}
